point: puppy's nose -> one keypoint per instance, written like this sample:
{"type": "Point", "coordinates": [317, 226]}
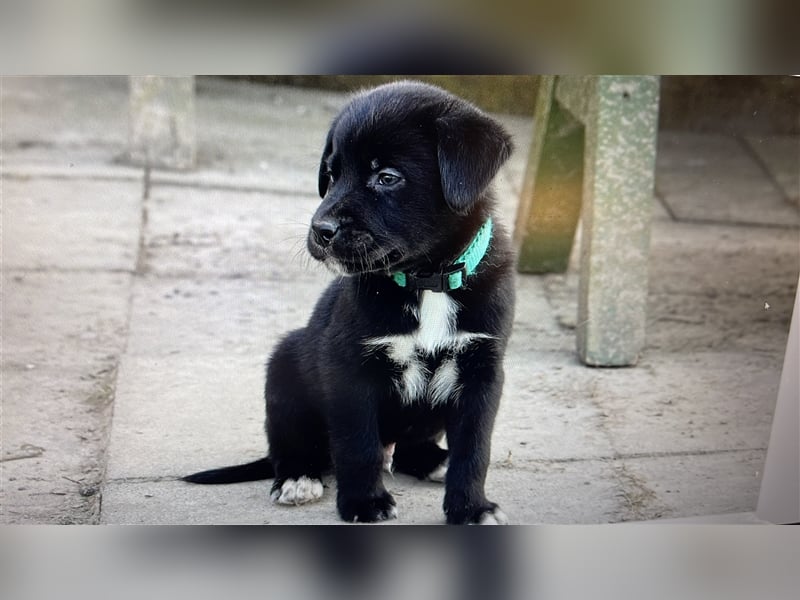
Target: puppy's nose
{"type": "Point", "coordinates": [324, 231]}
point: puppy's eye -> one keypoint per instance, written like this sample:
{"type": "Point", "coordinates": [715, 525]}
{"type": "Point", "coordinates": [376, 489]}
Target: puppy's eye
{"type": "Point", "coordinates": [389, 178]}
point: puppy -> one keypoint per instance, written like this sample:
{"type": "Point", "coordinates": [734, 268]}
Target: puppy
{"type": "Point", "coordinates": [406, 346]}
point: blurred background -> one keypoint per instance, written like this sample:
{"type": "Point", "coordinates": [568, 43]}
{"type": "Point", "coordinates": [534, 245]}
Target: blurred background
{"type": "Point", "coordinates": [356, 36]}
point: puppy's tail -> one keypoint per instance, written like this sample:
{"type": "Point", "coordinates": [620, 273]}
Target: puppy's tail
{"type": "Point", "coordinates": [254, 471]}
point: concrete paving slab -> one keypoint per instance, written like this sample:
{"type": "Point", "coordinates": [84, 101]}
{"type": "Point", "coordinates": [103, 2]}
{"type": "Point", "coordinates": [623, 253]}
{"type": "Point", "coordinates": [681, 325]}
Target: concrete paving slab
{"type": "Point", "coordinates": [722, 259]}
{"type": "Point", "coordinates": [62, 336]}
{"type": "Point", "coordinates": [58, 318]}
{"type": "Point", "coordinates": [63, 121]}
{"type": "Point", "coordinates": [536, 324]}
{"type": "Point", "coordinates": [179, 503]}
{"type": "Point", "coordinates": [704, 177]}
{"type": "Point", "coordinates": [580, 492]}
{"type": "Point", "coordinates": [210, 315]}
{"type": "Point", "coordinates": [691, 323]}
{"type": "Point", "coordinates": [177, 415]}
{"type": "Point", "coordinates": [721, 287]}
{"type": "Point", "coordinates": [192, 232]}
{"type": "Point", "coordinates": [693, 485]}
{"type": "Point", "coordinates": [561, 291]}
{"type": "Point", "coordinates": [253, 128]}
{"type": "Point", "coordinates": [70, 224]}
{"type": "Point", "coordinates": [54, 425]}
{"type": "Point", "coordinates": [548, 411]}
{"type": "Point", "coordinates": [780, 155]}
{"type": "Point", "coordinates": [741, 518]}
{"type": "Point", "coordinates": [693, 402]}
{"type": "Point", "coordinates": [69, 245]}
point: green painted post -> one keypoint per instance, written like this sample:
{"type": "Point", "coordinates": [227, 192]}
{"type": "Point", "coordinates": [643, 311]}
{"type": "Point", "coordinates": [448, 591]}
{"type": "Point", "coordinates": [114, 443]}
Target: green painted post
{"type": "Point", "coordinates": [621, 124]}
{"type": "Point", "coordinates": [551, 195]}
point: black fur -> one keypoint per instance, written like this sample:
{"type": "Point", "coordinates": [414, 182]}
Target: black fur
{"type": "Point", "coordinates": [404, 179]}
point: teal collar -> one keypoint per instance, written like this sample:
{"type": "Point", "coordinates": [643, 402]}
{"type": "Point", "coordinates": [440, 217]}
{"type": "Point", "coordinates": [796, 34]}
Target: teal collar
{"type": "Point", "coordinates": [456, 274]}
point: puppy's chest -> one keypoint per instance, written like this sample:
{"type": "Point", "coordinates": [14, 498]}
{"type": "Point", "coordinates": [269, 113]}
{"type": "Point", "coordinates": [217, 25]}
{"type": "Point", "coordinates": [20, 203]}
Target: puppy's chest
{"type": "Point", "coordinates": [426, 358]}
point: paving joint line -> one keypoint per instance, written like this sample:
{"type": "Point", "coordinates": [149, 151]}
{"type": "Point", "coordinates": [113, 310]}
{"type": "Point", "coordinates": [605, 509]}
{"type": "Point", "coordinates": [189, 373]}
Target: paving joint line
{"type": "Point", "coordinates": [659, 196]}
{"type": "Point", "coordinates": [183, 276]}
{"type": "Point", "coordinates": [741, 224]}
{"type": "Point", "coordinates": [756, 157]}
{"type": "Point", "coordinates": [223, 187]}
{"type": "Point", "coordinates": [143, 479]}
{"type": "Point", "coordinates": [69, 270]}
{"type": "Point", "coordinates": [657, 454]}
{"type": "Point", "coordinates": [23, 176]}
{"type": "Point", "coordinates": [122, 352]}
{"type": "Point", "coordinates": [161, 181]}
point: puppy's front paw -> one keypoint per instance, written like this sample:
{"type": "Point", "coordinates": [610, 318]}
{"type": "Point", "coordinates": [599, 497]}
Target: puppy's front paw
{"type": "Point", "coordinates": [380, 507]}
{"type": "Point", "coordinates": [297, 491]}
{"type": "Point", "coordinates": [493, 517]}
{"type": "Point", "coordinates": [487, 513]}
{"type": "Point", "coordinates": [439, 473]}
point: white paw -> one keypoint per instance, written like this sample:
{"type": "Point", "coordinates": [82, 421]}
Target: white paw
{"type": "Point", "coordinates": [439, 473]}
{"type": "Point", "coordinates": [493, 517]}
{"type": "Point", "coordinates": [298, 491]}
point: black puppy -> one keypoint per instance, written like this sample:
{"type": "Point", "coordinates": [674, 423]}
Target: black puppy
{"type": "Point", "coordinates": [409, 344]}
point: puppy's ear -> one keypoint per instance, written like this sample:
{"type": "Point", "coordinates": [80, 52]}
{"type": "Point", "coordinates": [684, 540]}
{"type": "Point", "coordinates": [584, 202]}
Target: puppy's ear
{"type": "Point", "coordinates": [322, 179]}
{"type": "Point", "coordinates": [471, 148]}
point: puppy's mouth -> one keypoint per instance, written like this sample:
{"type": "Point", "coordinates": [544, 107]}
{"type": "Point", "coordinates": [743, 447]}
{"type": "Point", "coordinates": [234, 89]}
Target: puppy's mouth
{"type": "Point", "coordinates": [357, 255]}
{"type": "Point", "coordinates": [378, 261]}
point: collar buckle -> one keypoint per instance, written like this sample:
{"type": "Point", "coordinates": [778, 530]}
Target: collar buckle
{"type": "Point", "coordinates": [437, 282]}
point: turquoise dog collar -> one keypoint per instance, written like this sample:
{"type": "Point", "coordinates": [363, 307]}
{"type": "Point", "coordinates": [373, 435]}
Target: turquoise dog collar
{"type": "Point", "coordinates": [456, 274]}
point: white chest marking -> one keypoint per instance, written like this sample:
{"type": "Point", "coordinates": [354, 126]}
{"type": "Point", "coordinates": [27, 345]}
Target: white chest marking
{"type": "Point", "coordinates": [436, 333]}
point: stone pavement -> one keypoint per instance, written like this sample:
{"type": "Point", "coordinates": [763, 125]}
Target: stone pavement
{"type": "Point", "coordinates": [137, 317]}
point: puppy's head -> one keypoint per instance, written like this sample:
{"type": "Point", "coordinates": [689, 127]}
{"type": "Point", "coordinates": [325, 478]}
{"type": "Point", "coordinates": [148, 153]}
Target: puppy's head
{"type": "Point", "coordinates": [403, 177]}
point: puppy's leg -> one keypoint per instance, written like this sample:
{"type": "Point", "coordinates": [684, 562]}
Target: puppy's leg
{"type": "Point", "coordinates": [469, 430]}
{"type": "Point", "coordinates": [295, 430]}
{"type": "Point", "coordinates": [358, 457]}
{"type": "Point", "coordinates": [424, 460]}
